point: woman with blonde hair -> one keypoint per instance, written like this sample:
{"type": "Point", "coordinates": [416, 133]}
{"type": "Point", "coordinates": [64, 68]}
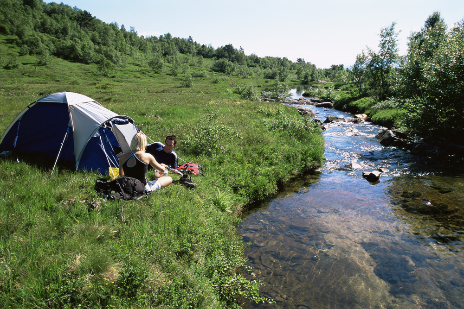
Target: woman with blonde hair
{"type": "Point", "coordinates": [135, 164]}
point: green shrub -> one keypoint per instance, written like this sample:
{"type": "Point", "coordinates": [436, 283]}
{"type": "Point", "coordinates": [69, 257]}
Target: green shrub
{"type": "Point", "coordinates": [156, 64]}
{"type": "Point", "coordinates": [248, 92]}
{"type": "Point", "coordinates": [389, 117]}
{"type": "Point", "coordinates": [12, 63]}
{"type": "Point", "coordinates": [386, 104]}
{"type": "Point", "coordinates": [328, 93]}
{"type": "Point", "coordinates": [224, 66]}
{"type": "Point", "coordinates": [360, 106]}
{"type": "Point", "coordinates": [279, 91]}
{"type": "Point", "coordinates": [198, 74]}
{"type": "Point", "coordinates": [343, 98]}
{"type": "Point", "coordinates": [187, 82]}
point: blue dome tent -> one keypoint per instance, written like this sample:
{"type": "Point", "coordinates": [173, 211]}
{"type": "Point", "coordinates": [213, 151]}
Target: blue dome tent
{"type": "Point", "coordinates": [71, 127]}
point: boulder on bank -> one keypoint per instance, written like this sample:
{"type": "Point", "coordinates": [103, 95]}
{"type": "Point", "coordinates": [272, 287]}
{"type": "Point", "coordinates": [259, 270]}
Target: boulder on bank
{"type": "Point", "coordinates": [305, 111]}
{"type": "Point", "coordinates": [331, 119]}
{"type": "Point", "coordinates": [386, 137]}
{"type": "Point", "coordinates": [393, 138]}
{"type": "Point", "coordinates": [319, 123]}
{"type": "Point", "coordinates": [358, 118]}
{"type": "Point", "coordinates": [324, 104]}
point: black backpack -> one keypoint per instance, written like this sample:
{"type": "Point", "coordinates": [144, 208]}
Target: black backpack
{"type": "Point", "coordinates": [124, 187]}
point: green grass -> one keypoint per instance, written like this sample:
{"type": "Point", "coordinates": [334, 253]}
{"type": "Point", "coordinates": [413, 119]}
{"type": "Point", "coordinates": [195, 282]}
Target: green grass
{"type": "Point", "coordinates": [389, 117]}
{"type": "Point", "coordinates": [62, 246]}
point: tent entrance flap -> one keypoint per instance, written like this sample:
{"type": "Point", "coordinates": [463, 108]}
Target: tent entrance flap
{"type": "Point", "coordinates": [124, 134]}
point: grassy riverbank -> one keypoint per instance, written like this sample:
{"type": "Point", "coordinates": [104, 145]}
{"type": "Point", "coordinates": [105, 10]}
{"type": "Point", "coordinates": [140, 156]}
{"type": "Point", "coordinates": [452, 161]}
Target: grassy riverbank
{"type": "Point", "coordinates": [63, 246]}
{"type": "Point", "coordinates": [345, 97]}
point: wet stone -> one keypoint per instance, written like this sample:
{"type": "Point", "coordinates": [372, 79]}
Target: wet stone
{"type": "Point", "coordinates": [266, 261]}
{"type": "Point", "coordinates": [420, 208]}
{"type": "Point", "coordinates": [301, 229]}
{"type": "Point", "coordinates": [255, 227]}
{"type": "Point", "coordinates": [371, 176]}
{"type": "Point", "coordinates": [412, 194]}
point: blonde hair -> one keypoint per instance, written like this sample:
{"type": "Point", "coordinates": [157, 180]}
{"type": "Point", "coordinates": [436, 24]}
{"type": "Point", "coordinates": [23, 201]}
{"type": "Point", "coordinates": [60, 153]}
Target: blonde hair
{"type": "Point", "coordinates": [139, 142]}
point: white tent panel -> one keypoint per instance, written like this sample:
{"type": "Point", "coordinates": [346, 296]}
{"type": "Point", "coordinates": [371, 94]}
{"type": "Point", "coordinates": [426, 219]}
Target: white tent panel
{"type": "Point", "coordinates": [124, 134]}
{"type": "Point", "coordinates": [66, 97]}
{"type": "Point", "coordinates": [86, 118]}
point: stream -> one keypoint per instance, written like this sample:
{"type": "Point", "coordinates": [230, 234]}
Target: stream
{"type": "Point", "coordinates": [332, 239]}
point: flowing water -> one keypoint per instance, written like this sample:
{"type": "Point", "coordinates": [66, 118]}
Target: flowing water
{"type": "Point", "coordinates": [334, 240]}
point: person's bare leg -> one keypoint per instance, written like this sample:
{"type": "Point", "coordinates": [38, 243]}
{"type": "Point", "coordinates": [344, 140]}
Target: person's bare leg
{"type": "Point", "coordinates": [165, 181]}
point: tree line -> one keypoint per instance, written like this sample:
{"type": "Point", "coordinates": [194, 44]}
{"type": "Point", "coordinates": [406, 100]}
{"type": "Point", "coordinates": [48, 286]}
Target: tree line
{"type": "Point", "coordinates": [427, 83]}
{"type": "Point", "coordinates": [45, 29]}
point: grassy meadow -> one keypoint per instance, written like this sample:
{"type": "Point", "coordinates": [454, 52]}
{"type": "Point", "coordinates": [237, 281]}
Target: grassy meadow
{"type": "Point", "coordinates": [62, 246]}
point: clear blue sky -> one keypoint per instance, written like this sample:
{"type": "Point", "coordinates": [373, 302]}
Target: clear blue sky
{"type": "Point", "coordinates": [323, 32]}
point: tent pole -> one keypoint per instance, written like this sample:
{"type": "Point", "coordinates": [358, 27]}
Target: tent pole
{"type": "Point", "coordinates": [59, 152]}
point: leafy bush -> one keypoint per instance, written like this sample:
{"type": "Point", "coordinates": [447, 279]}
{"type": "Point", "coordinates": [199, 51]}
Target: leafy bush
{"type": "Point", "coordinates": [187, 82]}
{"type": "Point", "coordinates": [248, 92]}
{"type": "Point", "coordinates": [198, 74]}
{"type": "Point", "coordinates": [176, 67]}
{"type": "Point", "coordinates": [44, 58]}
{"type": "Point", "coordinates": [105, 67]}
{"type": "Point", "coordinates": [328, 94]}
{"type": "Point", "coordinates": [270, 74]}
{"type": "Point", "coordinates": [279, 91]}
{"type": "Point", "coordinates": [223, 66]}
{"type": "Point", "coordinates": [156, 64]}
{"type": "Point", "coordinates": [343, 98]}
{"type": "Point", "coordinates": [386, 104]}
{"type": "Point", "coordinates": [12, 63]}
{"type": "Point", "coordinates": [299, 127]}
{"type": "Point", "coordinates": [360, 106]}
{"type": "Point", "coordinates": [209, 137]}
{"type": "Point", "coordinates": [244, 72]}
{"type": "Point", "coordinates": [389, 117]}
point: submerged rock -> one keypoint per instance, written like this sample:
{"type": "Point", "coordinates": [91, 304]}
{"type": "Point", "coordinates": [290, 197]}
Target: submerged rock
{"type": "Point", "coordinates": [372, 176]}
{"type": "Point", "coordinates": [331, 119]}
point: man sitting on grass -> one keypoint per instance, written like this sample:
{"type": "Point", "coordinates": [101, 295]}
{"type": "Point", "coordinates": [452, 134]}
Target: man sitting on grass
{"type": "Point", "coordinates": [165, 153]}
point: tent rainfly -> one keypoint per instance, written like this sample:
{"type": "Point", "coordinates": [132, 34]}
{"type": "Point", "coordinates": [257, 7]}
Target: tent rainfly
{"type": "Point", "coordinates": [71, 127]}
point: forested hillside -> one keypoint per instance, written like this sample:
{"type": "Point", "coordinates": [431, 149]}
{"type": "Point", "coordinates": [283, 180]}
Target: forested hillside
{"type": "Point", "coordinates": [74, 34]}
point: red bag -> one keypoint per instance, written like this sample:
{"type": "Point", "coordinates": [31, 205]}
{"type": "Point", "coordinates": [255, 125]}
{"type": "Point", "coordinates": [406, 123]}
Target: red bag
{"type": "Point", "coordinates": [190, 168]}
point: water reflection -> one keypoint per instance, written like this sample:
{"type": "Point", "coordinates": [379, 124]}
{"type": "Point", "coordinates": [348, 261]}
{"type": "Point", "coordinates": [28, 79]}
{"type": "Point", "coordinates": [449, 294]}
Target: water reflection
{"type": "Point", "coordinates": [334, 240]}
